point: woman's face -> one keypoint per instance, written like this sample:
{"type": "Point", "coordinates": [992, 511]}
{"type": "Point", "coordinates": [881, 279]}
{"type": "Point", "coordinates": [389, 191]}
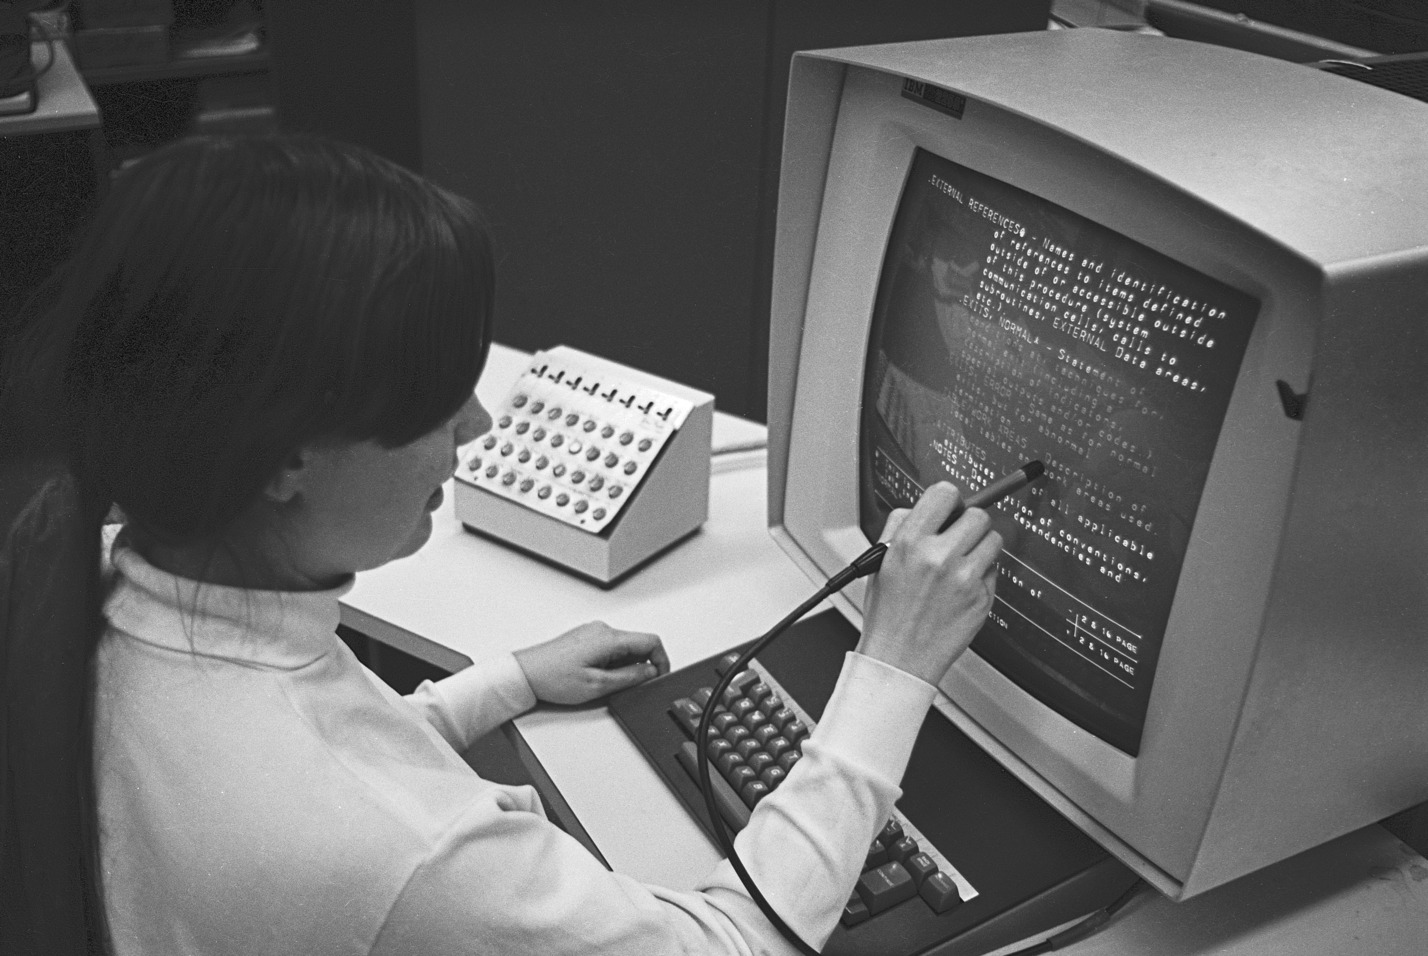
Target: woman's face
{"type": "Point", "coordinates": [357, 505]}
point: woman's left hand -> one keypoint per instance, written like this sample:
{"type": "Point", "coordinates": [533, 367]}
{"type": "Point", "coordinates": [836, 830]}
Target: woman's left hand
{"type": "Point", "coordinates": [590, 661]}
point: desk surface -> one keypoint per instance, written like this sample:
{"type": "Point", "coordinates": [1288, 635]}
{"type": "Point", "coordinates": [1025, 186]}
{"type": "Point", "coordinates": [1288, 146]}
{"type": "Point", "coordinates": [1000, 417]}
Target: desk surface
{"type": "Point", "coordinates": [64, 100]}
{"type": "Point", "coordinates": [462, 598]}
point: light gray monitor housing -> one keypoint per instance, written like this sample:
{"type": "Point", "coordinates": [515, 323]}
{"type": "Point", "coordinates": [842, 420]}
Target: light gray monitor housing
{"type": "Point", "coordinates": [1288, 706]}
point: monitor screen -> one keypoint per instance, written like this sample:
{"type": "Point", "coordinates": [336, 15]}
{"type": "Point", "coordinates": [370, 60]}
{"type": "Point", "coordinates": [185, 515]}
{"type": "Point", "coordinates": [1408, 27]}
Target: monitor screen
{"type": "Point", "coordinates": [1007, 328]}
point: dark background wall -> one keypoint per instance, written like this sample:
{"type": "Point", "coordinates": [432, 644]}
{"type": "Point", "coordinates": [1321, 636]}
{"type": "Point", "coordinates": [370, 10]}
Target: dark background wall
{"type": "Point", "coordinates": [626, 153]}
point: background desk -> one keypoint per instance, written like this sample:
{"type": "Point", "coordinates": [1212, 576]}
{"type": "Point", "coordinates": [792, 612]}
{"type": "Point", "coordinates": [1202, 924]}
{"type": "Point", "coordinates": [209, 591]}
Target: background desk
{"type": "Point", "coordinates": [462, 598]}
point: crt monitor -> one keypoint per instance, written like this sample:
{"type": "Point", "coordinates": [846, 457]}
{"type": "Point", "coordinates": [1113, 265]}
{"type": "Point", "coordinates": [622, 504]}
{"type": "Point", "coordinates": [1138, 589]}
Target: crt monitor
{"type": "Point", "coordinates": [1193, 281]}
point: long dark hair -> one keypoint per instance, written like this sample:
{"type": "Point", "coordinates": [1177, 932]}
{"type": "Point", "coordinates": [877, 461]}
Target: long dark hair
{"type": "Point", "coordinates": [234, 300]}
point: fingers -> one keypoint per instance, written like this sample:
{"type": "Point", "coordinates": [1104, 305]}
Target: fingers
{"type": "Point", "coordinates": [638, 642]}
{"type": "Point", "coordinates": [969, 531]}
{"type": "Point", "coordinates": [619, 648]}
{"type": "Point", "coordinates": [987, 549]}
{"type": "Point", "coordinates": [608, 680]}
{"type": "Point", "coordinates": [932, 509]}
{"type": "Point", "coordinates": [590, 661]}
{"type": "Point", "coordinates": [895, 520]}
{"type": "Point", "coordinates": [659, 658]}
{"type": "Point", "coordinates": [920, 526]}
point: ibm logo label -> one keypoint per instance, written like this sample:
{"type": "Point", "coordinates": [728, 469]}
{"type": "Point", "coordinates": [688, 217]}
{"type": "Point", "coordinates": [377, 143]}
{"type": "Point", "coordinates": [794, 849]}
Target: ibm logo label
{"type": "Point", "coordinates": [944, 101]}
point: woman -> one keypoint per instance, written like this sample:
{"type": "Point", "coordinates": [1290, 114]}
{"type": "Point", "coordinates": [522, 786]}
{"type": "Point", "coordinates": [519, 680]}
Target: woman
{"type": "Point", "coordinates": [265, 352]}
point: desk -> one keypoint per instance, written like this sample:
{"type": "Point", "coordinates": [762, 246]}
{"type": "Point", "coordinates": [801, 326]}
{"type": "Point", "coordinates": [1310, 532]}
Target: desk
{"type": "Point", "coordinates": [461, 598]}
{"type": "Point", "coordinates": [64, 102]}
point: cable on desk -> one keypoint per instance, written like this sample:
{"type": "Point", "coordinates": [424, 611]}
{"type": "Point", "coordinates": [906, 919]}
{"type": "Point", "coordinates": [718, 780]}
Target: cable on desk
{"type": "Point", "coordinates": [1091, 924]}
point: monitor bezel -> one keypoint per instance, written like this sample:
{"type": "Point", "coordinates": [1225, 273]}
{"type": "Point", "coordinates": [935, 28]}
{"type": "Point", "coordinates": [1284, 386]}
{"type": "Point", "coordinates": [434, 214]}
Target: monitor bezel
{"type": "Point", "coordinates": [1190, 723]}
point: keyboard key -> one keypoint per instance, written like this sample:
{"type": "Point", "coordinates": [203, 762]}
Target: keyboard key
{"type": "Point", "coordinates": [736, 733]}
{"type": "Point", "coordinates": [796, 731]}
{"type": "Point", "coordinates": [787, 760]}
{"type": "Point", "coordinates": [764, 733]}
{"type": "Point", "coordinates": [855, 912]}
{"type": "Point", "coordinates": [723, 721]}
{"type": "Point", "coordinates": [717, 747]}
{"type": "Point", "coordinates": [886, 886]}
{"type": "Point", "coordinates": [728, 761]}
{"type": "Point", "coordinates": [748, 747]}
{"type": "Point", "coordinates": [740, 776]}
{"type": "Point", "coordinates": [891, 833]}
{"type": "Point", "coordinates": [758, 691]}
{"type": "Point", "coordinates": [731, 808]}
{"type": "Point", "coordinates": [778, 747]}
{"type": "Point", "coordinates": [940, 892]}
{"type": "Point", "coordinates": [903, 849]}
{"type": "Point", "coordinates": [771, 705]}
{"type": "Point", "coordinates": [753, 792]}
{"type": "Point", "coordinates": [740, 707]}
{"type": "Point", "coordinates": [702, 696]}
{"type": "Point", "coordinates": [686, 713]}
{"type": "Point", "coordinates": [759, 760]}
{"type": "Point", "coordinates": [877, 856]}
{"type": "Point", "coordinates": [743, 681]}
{"type": "Point", "coordinates": [773, 776]}
{"type": "Point", "coordinates": [726, 662]}
{"type": "Point", "coordinates": [920, 866]}
{"type": "Point", "coordinates": [782, 717]}
{"type": "Point", "coordinates": [754, 720]}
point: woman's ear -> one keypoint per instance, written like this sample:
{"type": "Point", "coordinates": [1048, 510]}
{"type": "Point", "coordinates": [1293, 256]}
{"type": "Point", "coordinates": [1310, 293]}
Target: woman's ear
{"type": "Point", "coordinates": [287, 482]}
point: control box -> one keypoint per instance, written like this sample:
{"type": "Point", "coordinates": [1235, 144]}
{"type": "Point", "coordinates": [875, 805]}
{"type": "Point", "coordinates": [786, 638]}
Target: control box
{"type": "Point", "coordinates": [590, 465]}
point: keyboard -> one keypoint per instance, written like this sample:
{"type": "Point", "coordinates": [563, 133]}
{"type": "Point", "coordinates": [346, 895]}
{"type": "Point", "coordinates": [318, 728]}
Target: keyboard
{"type": "Point", "coordinates": [754, 739]}
{"type": "Point", "coordinates": [970, 861]}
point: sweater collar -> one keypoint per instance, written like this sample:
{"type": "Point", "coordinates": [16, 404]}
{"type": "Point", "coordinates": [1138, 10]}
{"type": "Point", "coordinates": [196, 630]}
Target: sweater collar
{"type": "Point", "coordinates": [283, 629]}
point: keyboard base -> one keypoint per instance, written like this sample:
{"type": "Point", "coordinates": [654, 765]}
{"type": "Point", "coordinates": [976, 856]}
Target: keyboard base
{"type": "Point", "coordinates": [1033, 870]}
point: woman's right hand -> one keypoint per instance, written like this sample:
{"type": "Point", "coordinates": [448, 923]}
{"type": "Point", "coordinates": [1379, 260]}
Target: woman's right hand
{"type": "Point", "coordinates": [933, 591]}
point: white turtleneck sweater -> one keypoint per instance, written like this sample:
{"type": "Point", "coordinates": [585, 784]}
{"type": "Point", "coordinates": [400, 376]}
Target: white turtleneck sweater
{"type": "Point", "coordinates": [261, 792]}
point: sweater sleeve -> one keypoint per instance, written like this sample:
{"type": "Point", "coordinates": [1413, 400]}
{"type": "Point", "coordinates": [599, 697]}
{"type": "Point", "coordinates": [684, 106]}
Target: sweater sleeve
{"type": "Point", "coordinates": [474, 701]}
{"type": "Point", "coordinates": [823, 817]}
{"type": "Point", "coordinates": [505, 881]}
